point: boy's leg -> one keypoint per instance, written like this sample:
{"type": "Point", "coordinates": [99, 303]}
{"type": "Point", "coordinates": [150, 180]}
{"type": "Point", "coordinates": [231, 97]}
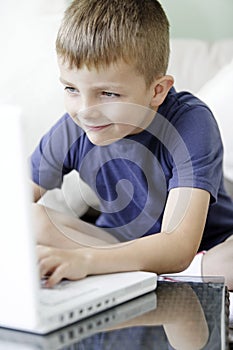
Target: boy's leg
{"type": "Point", "coordinates": [60, 230]}
{"type": "Point", "coordinates": [218, 261]}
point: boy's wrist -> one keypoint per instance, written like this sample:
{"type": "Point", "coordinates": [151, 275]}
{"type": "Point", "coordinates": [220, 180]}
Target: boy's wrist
{"type": "Point", "coordinates": [110, 260]}
{"type": "Point", "coordinates": [94, 258]}
{"type": "Point", "coordinates": [86, 256]}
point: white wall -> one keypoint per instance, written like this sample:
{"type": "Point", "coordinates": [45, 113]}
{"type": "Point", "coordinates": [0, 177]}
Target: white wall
{"type": "Point", "coordinates": [200, 19]}
{"type": "Point", "coordinates": [28, 67]}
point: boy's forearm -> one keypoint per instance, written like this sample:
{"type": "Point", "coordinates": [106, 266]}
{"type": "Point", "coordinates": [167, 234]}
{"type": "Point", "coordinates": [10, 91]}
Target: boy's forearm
{"type": "Point", "coordinates": [160, 253]}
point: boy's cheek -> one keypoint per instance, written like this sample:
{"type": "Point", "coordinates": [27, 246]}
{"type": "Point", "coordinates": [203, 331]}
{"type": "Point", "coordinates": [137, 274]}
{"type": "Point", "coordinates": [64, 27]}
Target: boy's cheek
{"type": "Point", "coordinates": [71, 107]}
{"type": "Point", "coordinates": [128, 114]}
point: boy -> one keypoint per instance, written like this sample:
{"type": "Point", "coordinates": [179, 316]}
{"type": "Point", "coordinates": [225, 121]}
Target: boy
{"type": "Point", "coordinates": [152, 155]}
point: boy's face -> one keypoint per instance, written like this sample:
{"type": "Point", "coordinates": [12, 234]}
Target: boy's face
{"type": "Point", "coordinates": [108, 103]}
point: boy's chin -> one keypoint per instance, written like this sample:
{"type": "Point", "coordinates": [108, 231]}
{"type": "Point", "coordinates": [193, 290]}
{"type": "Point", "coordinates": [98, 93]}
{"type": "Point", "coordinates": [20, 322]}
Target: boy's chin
{"type": "Point", "coordinates": [101, 141]}
{"type": "Point", "coordinates": [103, 138]}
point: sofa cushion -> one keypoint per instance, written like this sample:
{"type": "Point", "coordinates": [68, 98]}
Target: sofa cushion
{"type": "Point", "coordinates": [193, 62]}
{"type": "Point", "coordinates": [218, 94]}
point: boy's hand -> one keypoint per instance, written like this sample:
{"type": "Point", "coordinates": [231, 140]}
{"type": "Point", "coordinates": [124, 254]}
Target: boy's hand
{"type": "Point", "coordinates": [61, 263]}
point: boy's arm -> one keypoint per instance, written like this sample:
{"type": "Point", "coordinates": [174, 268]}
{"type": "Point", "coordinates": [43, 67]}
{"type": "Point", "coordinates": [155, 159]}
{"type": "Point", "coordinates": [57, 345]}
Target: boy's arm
{"type": "Point", "coordinates": [37, 191]}
{"type": "Point", "coordinates": [171, 250]}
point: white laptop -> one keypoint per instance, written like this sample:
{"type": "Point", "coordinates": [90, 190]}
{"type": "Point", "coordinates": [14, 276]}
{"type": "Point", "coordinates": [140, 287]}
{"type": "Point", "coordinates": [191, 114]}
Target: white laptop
{"type": "Point", "coordinates": [72, 334]}
{"type": "Point", "coordinates": [24, 305]}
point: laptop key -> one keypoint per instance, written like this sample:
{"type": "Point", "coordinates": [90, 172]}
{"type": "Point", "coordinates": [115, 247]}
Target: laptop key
{"type": "Point", "coordinates": [64, 291]}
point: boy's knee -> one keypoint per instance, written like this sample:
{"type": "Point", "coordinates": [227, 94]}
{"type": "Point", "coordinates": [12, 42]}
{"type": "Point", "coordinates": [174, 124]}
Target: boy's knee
{"type": "Point", "coordinates": [229, 282]}
{"type": "Point", "coordinates": [218, 262]}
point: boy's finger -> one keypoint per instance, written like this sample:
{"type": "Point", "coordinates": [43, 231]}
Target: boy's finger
{"type": "Point", "coordinates": [56, 277]}
{"type": "Point", "coordinates": [47, 265]}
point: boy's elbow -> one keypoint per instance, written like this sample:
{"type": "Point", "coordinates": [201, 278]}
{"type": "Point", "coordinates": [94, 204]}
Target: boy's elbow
{"type": "Point", "coordinates": [176, 265]}
{"type": "Point", "coordinates": [182, 265]}
{"type": "Point", "coordinates": [183, 262]}
{"type": "Point", "coordinates": [184, 253]}
{"type": "Point", "coordinates": [175, 255]}
{"type": "Point", "coordinates": [179, 261]}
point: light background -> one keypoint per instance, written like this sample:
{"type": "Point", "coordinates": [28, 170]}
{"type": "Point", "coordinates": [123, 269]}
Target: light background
{"type": "Point", "coordinates": [28, 67]}
{"type": "Point", "coordinates": [200, 19]}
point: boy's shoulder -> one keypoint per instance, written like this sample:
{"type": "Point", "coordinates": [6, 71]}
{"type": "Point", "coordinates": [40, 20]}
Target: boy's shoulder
{"type": "Point", "coordinates": [181, 101]}
{"type": "Point", "coordinates": [185, 110]}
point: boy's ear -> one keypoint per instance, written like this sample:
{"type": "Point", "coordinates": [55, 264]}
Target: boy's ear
{"type": "Point", "coordinates": [160, 88]}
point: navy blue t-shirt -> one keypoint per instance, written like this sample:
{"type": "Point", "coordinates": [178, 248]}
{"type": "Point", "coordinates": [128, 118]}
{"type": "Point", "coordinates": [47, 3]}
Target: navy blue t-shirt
{"type": "Point", "coordinates": [132, 177]}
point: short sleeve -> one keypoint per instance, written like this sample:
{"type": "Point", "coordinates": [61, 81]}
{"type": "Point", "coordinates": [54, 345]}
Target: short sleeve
{"type": "Point", "coordinates": [197, 151]}
{"type": "Point", "coordinates": [51, 161]}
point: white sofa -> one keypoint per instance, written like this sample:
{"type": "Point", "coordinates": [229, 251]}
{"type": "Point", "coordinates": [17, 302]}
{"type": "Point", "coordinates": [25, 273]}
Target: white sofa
{"type": "Point", "coordinates": [206, 69]}
{"type": "Point", "coordinates": [198, 66]}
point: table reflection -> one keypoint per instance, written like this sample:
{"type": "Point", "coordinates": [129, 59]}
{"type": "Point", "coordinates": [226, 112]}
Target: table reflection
{"type": "Point", "coordinates": [182, 314]}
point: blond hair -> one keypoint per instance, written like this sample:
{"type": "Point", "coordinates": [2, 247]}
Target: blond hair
{"type": "Point", "coordinates": [97, 33]}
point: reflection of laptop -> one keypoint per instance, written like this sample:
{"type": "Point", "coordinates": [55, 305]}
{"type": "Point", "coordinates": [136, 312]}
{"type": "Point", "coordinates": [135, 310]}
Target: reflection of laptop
{"type": "Point", "coordinates": [76, 332]}
{"type": "Point", "coordinates": [20, 297]}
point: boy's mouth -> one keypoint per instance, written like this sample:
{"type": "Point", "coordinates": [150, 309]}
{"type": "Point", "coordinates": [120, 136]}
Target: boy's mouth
{"type": "Point", "coordinates": [96, 128]}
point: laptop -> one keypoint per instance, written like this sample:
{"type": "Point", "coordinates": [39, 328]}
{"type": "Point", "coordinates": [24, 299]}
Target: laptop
{"type": "Point", "coordinates": [73, 334]}
{"type": "Point", "coordinates": [24, 304]}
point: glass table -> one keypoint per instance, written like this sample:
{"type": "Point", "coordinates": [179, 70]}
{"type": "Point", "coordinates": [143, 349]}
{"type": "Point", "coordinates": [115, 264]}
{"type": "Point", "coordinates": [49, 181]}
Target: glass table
{"type": "Point", "coordinates": [182, 313]}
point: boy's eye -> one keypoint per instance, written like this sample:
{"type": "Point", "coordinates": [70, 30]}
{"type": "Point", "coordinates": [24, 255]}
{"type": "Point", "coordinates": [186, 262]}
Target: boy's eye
{"type": "Point", "coordinates": [71, 90]}
{"type": "Point", "coordinates": [110, 94]}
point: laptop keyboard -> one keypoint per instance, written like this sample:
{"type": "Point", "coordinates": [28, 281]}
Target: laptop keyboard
{"type": "Point", "coordinates": [62, 292]}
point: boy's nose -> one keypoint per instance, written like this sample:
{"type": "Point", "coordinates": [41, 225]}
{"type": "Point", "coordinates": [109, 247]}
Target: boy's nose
{"type": "Point", "coordinates": [90, 113]}
{"type": "Point", "coordinates": [87, 103]}
{"type": "Point", "coordinates": [89, 109]}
